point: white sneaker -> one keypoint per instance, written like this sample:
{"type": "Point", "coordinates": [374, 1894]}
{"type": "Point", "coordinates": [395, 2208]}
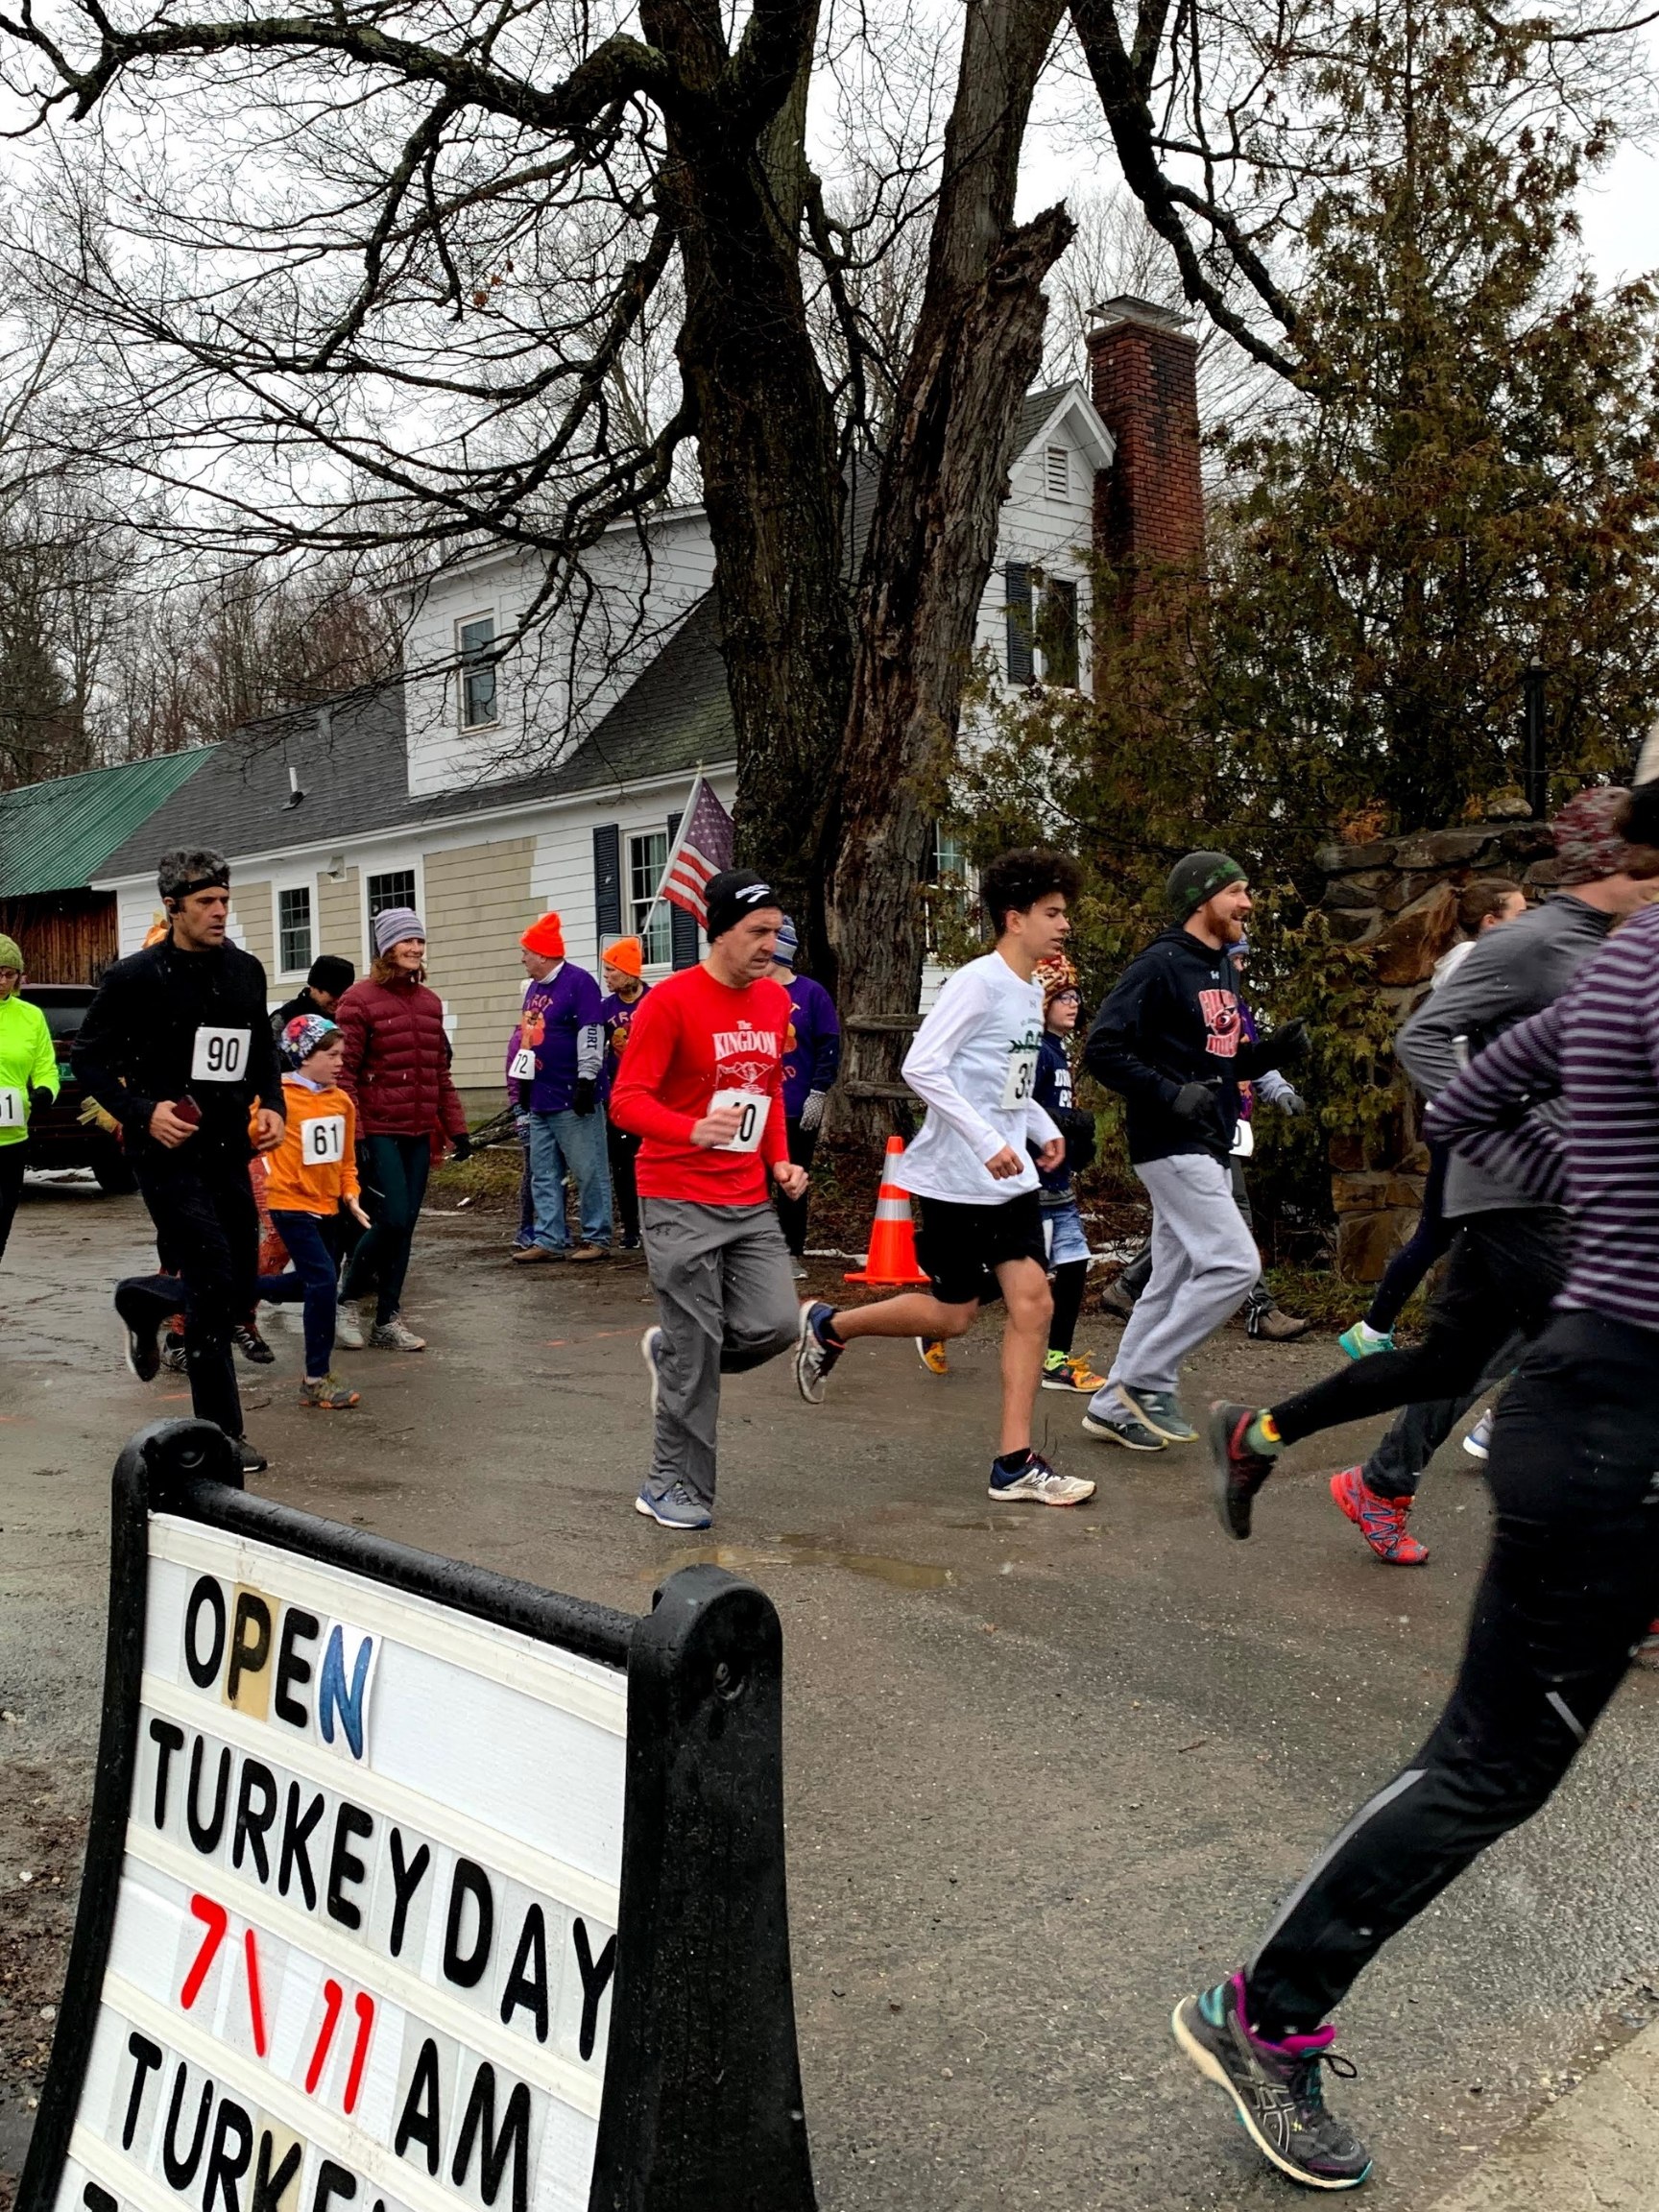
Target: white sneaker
{"type": "Point", "coordinates": [1479, 1441]}
{"type": "Point", "coordinates": [651, 1352]}
{"type": "Point", "coordinates": [1043, 1485]}
{"type": "Point", "coordinates": [348, 1329]}
{"type": "Point", "coordinates": [396, 1335]}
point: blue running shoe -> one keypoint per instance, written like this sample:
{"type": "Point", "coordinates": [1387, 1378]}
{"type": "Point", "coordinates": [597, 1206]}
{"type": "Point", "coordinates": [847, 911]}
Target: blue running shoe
{"type": "Point", "coordinates": [676, 1508]}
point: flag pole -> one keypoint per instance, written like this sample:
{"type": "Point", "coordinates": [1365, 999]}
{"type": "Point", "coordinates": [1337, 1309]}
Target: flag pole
{"type": "Point", "coordinates": [673, 853]}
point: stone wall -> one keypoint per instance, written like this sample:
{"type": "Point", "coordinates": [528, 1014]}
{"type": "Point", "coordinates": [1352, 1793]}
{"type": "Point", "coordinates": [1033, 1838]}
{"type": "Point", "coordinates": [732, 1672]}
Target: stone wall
{"type": "Point", "coordinates": [1399, 898]}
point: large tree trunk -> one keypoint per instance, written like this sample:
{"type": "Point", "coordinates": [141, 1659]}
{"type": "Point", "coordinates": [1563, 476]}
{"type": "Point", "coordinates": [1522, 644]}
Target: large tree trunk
{"type": "Point", "coordinates": [978, 346]}
{"type": "Point", "coordinates": [766, 441]}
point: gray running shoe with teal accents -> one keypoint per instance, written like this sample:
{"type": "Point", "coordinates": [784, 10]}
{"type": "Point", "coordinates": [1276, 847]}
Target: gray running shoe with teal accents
{"type": "Point", "coordinates": [1276, 2087]}
{"type": "Point", "coordinates": [1161, 1412]}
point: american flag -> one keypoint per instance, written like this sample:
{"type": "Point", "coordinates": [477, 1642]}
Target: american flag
{"type": "Point", "coordinates": [701, 851]}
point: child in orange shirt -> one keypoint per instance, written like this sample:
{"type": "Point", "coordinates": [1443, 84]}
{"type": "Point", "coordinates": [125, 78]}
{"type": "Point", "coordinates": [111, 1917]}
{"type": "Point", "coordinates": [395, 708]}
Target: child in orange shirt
{"type": "Point", "coordinates": [313, 1174]}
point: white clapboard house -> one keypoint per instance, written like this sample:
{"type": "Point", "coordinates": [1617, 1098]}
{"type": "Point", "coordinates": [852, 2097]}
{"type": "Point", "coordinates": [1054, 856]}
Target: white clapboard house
{"type": "Point", "coordinates": [421, 796]}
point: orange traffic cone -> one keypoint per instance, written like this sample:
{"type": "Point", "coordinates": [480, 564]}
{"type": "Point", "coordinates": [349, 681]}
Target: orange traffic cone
{"type": "Point", "coordinates": [891, 1260]}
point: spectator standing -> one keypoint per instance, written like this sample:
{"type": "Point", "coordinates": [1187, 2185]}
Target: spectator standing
{"type": "Point", "coordinates": [177, 1046]}
{"type": "Point", "coordinates": [621, 968]}
{"type": "Point", "coordinates": [396, 1071]}
{"type": "Point", "coordinates": [327, 982]}
{"type": "Point", "coordinates": [28, 1077]}
{"type": "Point", "coordinates": [553, 1066]}
{"type": "Point", "coordinates": [810, 1062]}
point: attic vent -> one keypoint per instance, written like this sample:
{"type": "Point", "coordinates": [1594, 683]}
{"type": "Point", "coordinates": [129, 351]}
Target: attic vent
{"type": "Point", "coordinates": [1057, 471]}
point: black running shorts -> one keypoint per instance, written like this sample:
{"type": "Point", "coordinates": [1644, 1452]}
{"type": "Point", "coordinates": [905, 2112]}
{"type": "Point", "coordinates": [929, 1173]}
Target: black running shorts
{"type": "Point", "coordinates": [960, 1247]}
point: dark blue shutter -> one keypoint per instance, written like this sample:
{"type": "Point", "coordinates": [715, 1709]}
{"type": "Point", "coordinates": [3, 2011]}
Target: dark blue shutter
{"type": "Point", "coordinates": [608, 880]}
{"type": "Point", "coordinates": [683, 938]}
{"type": "Point", "coordinates": [1016, 616]}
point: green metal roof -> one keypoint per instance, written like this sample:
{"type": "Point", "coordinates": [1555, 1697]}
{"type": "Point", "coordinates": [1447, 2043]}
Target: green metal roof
{"type": "Point", "coordinates": [56, 837]}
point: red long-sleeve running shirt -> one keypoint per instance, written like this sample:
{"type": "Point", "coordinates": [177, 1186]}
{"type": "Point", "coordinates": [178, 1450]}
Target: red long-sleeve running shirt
{"type": "Point", "coordinates": [694, 1037]}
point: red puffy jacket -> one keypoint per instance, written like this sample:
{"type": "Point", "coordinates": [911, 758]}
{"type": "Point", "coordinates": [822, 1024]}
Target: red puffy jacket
{"type": "Point", "coordinates": [396, 1063]}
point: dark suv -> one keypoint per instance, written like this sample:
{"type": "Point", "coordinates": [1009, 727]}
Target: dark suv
{"type": "Point", "coordinates": [59, 1138]}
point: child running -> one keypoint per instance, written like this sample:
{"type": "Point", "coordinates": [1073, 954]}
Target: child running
{"type": "Point", "coordinates": [974, 1064]}
{"type": "Point", "coordinates": [313, 1174]}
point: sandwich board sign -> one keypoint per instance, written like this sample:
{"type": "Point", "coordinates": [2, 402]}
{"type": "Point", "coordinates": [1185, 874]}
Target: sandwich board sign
{"type": "Point", "coordinates": [413, 1888]}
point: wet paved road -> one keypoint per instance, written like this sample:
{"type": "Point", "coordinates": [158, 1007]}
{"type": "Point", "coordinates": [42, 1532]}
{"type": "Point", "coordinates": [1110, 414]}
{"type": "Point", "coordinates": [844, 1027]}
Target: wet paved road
{"type": "Point", "coordinates": [1046, 1773]}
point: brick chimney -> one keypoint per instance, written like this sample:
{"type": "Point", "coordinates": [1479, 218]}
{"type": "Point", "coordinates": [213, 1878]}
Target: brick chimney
{"type": "Point", "coordinates": [1149, 504]}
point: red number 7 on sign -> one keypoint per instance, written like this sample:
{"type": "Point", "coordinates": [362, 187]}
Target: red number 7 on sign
{"type": "Point", "coordinates": [215, 1920]}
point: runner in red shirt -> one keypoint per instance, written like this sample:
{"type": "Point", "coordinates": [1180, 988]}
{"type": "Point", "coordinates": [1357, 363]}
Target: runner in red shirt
{"type": "Point", "coordinates": [701, 1084]}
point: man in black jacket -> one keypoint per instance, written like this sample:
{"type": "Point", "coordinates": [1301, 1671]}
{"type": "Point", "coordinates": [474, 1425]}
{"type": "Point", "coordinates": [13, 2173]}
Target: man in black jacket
{"type": "Point", "coordinates": [177, 1046]}
{"type": "Point", "coordinates": [328, 984]}
{"type": "Point", "coordinates": [1169, 1037]}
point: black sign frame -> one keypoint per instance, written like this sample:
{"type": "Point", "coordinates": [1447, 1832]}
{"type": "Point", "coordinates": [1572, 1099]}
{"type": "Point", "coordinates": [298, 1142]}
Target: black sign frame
{"type": "Point", "coordinates": [701, 2106]}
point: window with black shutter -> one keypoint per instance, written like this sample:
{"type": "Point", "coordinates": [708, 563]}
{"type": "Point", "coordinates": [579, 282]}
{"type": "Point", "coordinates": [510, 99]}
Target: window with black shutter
{"type": "Point", "coordinates": [608, 878]}
{"type": "Point", "coordinates": [1016, 616]}
{"type": "Point", "coordinates": [1059, 634]}
{"type": "Point", "coordinates": [683, 926]}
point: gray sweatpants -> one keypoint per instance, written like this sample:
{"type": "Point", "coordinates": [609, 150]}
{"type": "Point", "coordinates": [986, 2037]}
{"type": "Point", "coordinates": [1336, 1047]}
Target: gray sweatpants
{"type": "Point", "coordinates": [726, 1300]}
{"type": "Point", "coordinates": [1203, 1263]}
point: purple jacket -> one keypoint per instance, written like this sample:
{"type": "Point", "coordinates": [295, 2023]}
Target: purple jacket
{"type": "Point", "coordinates": [617, 1015]}
{"type": "Point", "coordinates": [813, 1052]}
{"type": "Point", "coordinates": [561, 1025]}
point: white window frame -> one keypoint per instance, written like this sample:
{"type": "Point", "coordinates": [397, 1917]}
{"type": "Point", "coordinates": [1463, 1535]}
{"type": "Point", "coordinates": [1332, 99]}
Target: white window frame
{"type": "Point", "coordinates": [1050, 455]}
{"type": "Point", "coordinates": [385, 864]}
{"type": "Point", "coordinates": [307, 884]}
{"type": "Point", "coordinates": [663, 914]}
{"type": "Point", "coordinates": [463, 624]}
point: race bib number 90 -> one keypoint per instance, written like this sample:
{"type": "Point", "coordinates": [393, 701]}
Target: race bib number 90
{"type": "Point", "coordinates": [323, 1144]}
{"type": "Point", "coordinates": [753, 1106]}
{"type": "Point", "coordinates": [1021, 1076]}
{"type": "Point", "coordinates": [11, 1109]}
{"type": "Point", "coordinates": [220, 1056]}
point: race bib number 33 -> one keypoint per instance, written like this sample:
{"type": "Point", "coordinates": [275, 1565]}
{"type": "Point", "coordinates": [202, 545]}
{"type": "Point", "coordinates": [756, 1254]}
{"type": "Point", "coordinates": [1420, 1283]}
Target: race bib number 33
{"type": "Point", "coordinates": [220, 1056]}
{"type": "Point", "coordinates": [1021, 1076]}
{"type": "Point", "coordinates": [753, 1106]}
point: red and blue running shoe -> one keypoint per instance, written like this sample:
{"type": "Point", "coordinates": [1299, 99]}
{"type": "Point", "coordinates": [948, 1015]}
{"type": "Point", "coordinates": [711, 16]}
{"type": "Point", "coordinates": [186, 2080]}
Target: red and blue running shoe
{"type": "Point", "coordinates": [1381, 1521]}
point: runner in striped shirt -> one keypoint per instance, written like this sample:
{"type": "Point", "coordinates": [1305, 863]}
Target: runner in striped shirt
{"type": "Point", "coordinates": [1566, 1106]}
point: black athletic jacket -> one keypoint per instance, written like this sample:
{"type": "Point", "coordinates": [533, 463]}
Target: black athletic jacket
{"type": "Point", "coordinates": [137, 1044]}
{"type": "Point", "coordinates": [1172, 1019]}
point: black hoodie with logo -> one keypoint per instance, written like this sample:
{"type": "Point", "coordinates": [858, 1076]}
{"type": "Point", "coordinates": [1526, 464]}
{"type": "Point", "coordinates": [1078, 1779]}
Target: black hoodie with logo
{"type": "Point", "coordinates": [1171, 1020]}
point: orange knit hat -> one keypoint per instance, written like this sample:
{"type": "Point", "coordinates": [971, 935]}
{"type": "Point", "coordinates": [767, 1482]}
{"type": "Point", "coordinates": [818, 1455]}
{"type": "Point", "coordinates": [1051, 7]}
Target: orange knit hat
{"type": "Point", "coordinates": [627, 954]}
{"type": "Point", "coordinates": [545, 938]}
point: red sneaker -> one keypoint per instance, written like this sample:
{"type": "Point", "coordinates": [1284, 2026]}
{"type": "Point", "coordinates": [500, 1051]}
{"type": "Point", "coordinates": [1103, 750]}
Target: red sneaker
{"type": "Point", "coordinates": [1381, 1521]}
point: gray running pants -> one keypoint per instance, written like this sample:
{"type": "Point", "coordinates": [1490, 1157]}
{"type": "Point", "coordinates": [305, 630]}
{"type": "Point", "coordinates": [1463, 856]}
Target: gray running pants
{"type": "Point", "coordinates": [726, 1301]}
{"type": "Point", "coordinates": [1204, 1262]}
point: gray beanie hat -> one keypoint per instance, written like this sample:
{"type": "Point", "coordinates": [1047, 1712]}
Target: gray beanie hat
{"type": "Point", "coordinates": [394, 925]}
{"type": "Point", "coordinates": [1197, 877]}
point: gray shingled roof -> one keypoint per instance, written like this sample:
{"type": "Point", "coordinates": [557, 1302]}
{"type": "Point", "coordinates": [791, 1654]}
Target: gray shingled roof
{"type": "Point", "coordinates": [352, 765]}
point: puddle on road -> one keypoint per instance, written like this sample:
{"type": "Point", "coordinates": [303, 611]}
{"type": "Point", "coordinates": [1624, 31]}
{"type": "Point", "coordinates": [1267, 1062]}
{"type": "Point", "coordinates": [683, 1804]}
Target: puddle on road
{"type": "Point", "coordinates": [809, 1551]}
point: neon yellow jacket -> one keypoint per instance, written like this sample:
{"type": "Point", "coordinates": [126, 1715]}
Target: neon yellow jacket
{"type": "Point", "coordinates": [28, 1060]}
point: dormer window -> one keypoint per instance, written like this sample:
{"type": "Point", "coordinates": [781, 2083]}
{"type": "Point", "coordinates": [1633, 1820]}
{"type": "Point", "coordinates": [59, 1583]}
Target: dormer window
{"type": "Point", "coordinates": [475, 639]}
{"type": "Point", "coordinates": [1057, 471]}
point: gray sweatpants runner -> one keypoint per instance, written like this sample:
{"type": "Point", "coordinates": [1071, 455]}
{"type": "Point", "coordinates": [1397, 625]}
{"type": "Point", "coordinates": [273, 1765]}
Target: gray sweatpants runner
{"type": "Point", "coordinates": [726, 1300]}
{"type": "Point", "coordinates": [1204, 1262]}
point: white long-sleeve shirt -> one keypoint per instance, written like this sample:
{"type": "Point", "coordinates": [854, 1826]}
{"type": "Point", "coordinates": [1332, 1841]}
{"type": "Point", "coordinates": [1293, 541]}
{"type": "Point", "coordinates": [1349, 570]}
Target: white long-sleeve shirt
{"type": "Point", "coordinates": [973, 1064]}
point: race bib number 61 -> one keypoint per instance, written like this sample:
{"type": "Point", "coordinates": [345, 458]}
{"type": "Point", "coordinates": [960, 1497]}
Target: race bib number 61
{"type": "Point", "coordinates": [325, 1140]}
{"type": "Point", "coordinates": [220, 1056]}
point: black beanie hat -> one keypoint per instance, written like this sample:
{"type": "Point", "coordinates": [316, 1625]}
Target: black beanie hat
{"type": "Point", "coordinates": [1197, 877]}
{"type": "Point", "coordinates": [330, 972]}
{"type": "Point", "coordinates": [1639, 823]}
{"type": "Point", "coordinates": [733, 892]}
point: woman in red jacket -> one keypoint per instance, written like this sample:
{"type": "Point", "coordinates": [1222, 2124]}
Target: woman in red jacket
{"type": "Point", "coordinates": [396, 1070]}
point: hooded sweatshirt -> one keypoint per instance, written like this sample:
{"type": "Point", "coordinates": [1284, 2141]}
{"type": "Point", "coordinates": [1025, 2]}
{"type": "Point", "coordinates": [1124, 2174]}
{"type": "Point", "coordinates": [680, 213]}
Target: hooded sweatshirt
{"type": "Point", "coordinates": [1174, 1019]}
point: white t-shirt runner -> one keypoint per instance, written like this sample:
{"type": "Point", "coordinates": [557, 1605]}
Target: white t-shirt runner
{"type": "Point", "coordinates": [974, 1064]}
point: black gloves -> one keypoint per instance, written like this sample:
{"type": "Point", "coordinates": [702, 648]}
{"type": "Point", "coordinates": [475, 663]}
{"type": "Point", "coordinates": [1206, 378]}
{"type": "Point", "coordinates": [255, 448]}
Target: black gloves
{"type": "Point", "coordinates": [39, 1097]}
{"type": "Point", "coordinates": [1194, 1103]}
{"type": "Point", "coordinates": [462, 1147]}
{"type": "Point", "coordinates": [585, 1096]}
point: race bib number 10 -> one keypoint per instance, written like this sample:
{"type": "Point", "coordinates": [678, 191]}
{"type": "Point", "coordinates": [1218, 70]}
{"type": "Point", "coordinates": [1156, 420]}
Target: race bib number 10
{"type": "Point", "coordinates": [11, 1109]}
{"type": "Point", "coordinates": [325, 1140]}
{"type": "Point", "coordinates": [221, 1056]}
{"type": "Point", "coordinates": [754, 1106]}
